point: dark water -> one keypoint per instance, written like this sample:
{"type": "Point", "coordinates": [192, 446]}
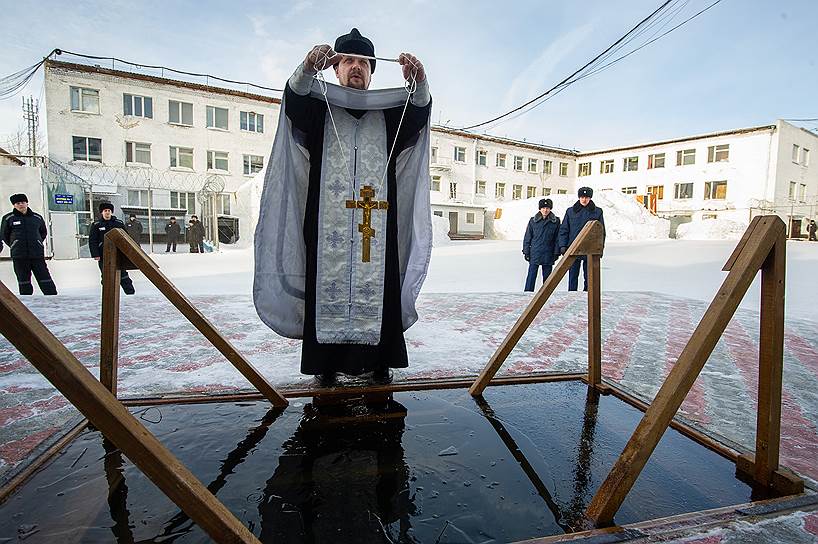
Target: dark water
{"type": "Point", "coordinates": [430, 467]}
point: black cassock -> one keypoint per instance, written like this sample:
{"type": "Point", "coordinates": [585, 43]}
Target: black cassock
{"type": "Point", "coordinates": [308, 115]}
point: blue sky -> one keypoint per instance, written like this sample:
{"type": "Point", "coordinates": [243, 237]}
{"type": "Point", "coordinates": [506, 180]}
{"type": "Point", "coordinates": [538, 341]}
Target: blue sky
{"type": "Point", "coordinates": [743, 63]}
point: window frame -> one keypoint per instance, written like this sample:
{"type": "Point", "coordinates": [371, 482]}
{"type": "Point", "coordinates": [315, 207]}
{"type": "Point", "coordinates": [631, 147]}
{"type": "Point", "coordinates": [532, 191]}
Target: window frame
{"type": "Point", "coordinates": [176, 157]}
{"type": "Point", "coordinates": [457, 153]}
{"type": "Point", "coordinates": [518, 159]}
{"type": "Point", "coordinates": [480, 187]}
{"type": "Point", "coordinates": [131, 149]}
{"type": "Point", "coordinates": [129, 100]}
{"type": "Point", "coordinates": [180, 112]}
{"type": "Point", "coordinates": [517, 191]}
{"type": "Point", "coordinates": [711, 189]}
{"type": "Point", "coordinates": [501, 157]}
{"type": "Point", "coordinates": [530, 191]}
{"type": "Point", "coordinates": [532, 165]}
{"type": "Point", "coordinates": [257, 122]}
{"type": "Point", "coordinates": [603, 166]}
{"type": "Point", "coordinates": [658, 190]}
{"type": "Point", "coordinates": [584, 169]}
{"type": "Point", "coordinates": [452, 190]}
{"type": "Point", "coordinates": [87, 149]}
{"type": "Point", "coordinates": [247, 164]}
{"type": "Point", "coordinates": [481, 158]}
{"type": "Point", "coordinates": [630, 190]}
{"type": "Point", "coordinates": [547, 167]}
{"type": "Point", "coordinates": [682, 155]}
{"type": "Point", "coordinates": [500, 190]}
{"type": "Point", "coordinates": [435, 180]}
{"type": "Point", "coordinates": [212, 160]}
{"type": "Point", "coordinates": [211, 117]}
{"type": "Point", "coordinates": [653, 158]}
{"type": "Point", "coordinates": [713, 152]}
{"type": "Point", "coordinates": [630, 164]}
{"type": "Point", "coordinates": [81, 100]}
{"type": "Point", "coordinates": [678, 186]}
{"type": "Point", "coordinates": [563, 169]}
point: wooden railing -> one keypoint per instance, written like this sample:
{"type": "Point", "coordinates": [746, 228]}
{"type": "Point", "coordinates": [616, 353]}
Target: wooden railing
{"type": "Point", "coordinates": [120, 252]}
{"type": "Point", "coordinates": [589, 242]}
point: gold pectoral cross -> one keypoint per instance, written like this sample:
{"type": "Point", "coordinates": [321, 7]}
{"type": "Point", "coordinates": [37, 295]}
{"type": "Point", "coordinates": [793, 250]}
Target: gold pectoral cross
{"type": "Point", "coordinates": [367, 205]}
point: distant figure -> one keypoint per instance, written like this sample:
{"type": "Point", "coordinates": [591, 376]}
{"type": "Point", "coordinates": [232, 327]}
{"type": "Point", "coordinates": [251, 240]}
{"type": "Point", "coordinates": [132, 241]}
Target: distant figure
{"type": "Point", "coordinates": [576, 216]}
{"type": "Point", "coordinates": [195, 235]}
{"type": "Point", "coordinates": [541, 243]}
{"type": "Point", "coordinates": [24, 232]}
{"type": "Point", "coordinates": [172, 230]}
{"type": "Point", "coordinates": [134, 228]}
{"type": "Point", "coordinates": [811, 230]}
{"type": "Point", "coordinates": [99, 228]}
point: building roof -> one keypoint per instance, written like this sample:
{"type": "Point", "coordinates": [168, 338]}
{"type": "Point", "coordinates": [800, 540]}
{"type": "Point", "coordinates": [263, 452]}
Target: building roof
{"type": "Point", "coordinates": [11, 156]}
{"type": "Point", "coordinates": [505, 141]}
{"type": "Point", "coordinates": [680, 140]}
{"type": "Point", "coordinates": [70, 66]}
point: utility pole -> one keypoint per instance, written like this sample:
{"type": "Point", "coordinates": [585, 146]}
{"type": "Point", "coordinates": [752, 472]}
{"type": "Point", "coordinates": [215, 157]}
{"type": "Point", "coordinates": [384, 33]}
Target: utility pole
{"type": "Point", "coordinates": [31, 115]}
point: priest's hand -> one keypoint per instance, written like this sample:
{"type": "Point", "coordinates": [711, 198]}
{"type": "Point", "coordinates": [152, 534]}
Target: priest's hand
{"type": "Point", "coordinates": [412, 67]}
{"type": "Point", "coordinates": [320, 57]}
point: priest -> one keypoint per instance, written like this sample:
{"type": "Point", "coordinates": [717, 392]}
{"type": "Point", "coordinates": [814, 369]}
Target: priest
{"type": "Point", "coordinates": [344, 235]}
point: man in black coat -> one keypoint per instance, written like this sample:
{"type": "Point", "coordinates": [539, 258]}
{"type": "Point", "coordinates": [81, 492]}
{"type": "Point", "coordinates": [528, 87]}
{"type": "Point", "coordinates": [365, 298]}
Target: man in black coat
{"type": "Point", "coordinates": [99, 228]}
{"type": "Point", "coordinates": [24, 232]}
{"type": "Point", "coordinates": [134, 228]}
{"type": "Point", "coordinates": [541, 243]}
{"type": "Point", "coordinates": [576, 216]}
{"type": "Point", "coordinates": [811, 230]}
{"type": "Point", "coordinates": [195, 235]}
{"type": "Point", "coordinates": [172, 229]}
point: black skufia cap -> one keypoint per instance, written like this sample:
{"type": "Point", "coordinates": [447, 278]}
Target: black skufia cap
{"type": "Point", "coordinates": [357, 44]}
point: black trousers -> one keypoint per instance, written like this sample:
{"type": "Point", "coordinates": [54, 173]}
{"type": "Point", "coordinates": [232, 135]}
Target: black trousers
{"type": "Point", "coordinates": [573, 274]}
{"type": "Point", "coordinates": [23, 269]}
{"type": "Point", "coordinates": [124, 279]}
{"type": "Point", "coordinates": [171, 244]}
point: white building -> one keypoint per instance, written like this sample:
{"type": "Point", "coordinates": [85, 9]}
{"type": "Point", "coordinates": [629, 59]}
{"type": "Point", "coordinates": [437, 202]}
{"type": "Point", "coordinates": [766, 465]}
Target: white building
{"type": "Point", "coordinates": [732, 175]}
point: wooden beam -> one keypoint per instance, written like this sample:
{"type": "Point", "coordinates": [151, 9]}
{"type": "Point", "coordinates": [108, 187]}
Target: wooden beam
{"type": "Point", "coordinates": [588, 240]}
{"type": "Point", "coordinates": [144, 264]}
{"type": "Point", "coordinates": [109, 335]}
{"type": "Point", "coordinates": [89, 396]}
{"type": "Point", "coordinates": [675, 388]}
{"type": "Point", "coordinates": [594, 322]}
{"type": "Point", "coordinates": [741, 243]}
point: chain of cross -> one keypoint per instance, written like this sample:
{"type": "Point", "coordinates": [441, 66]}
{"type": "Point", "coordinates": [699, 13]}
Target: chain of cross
{"type": "Point", "coordinates": [365, 228]}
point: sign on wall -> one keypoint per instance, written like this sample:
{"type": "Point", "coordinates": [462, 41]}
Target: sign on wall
{"type": "Point", "coordinates": [63, 199]}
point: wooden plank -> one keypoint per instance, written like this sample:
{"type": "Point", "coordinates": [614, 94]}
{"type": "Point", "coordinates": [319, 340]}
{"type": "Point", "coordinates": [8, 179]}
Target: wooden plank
{"type": "Point", "coordinates": [782, 480]}
{"type": "Point", "coordinates": [594, 321]}
{"type": "Point", "coordinates": [589, 241]}
{"type": "Point", "coordinates": [109, 335]}
{"type": "Point", "coordinates": [771, 363]}
{"type": "Point", "coordinates": [741, 243]}
{"type": "Point", "coordinates": [138, 257]}
{"type": "Point", "coordinates": [627, 468]}
{"type": "Point", "coordinates": [102, 409]}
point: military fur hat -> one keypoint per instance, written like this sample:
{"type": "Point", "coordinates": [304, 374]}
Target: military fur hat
{"type": "Point", "coordinates": [105, 206]}
{"type": "Point", "coordinates": [546, 203]}
{"type": "Point", "coordinates": [19, 197]}
{"type": "Point", "coordinates": [585, 191]}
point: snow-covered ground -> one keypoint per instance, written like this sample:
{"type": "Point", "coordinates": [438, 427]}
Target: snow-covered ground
{"type": "Point", "coordinates": [686, 268]}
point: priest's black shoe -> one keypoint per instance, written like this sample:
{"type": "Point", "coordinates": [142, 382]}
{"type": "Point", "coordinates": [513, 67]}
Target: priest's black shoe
{"type": "Point", "coordinates": [382, 376]}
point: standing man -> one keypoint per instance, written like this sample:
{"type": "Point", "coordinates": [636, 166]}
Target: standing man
{"type": "Point", "coordinates": [576, 216]}
{"type": "Point", "coordinates": [134, 228]}
{"type": "Point", "coordinates": [24, 232]}
{"type": "Point", "coordinates": [99, 228]}
{"type": "Point", "coordinates": [172, 230]}
{"type": "Point", "coordinates": [541, 243]}
{"type": "Point", "coordinates": [195, 233]}
{"type": "Point", "coordinates": [811, 230]}
{"type": "Point", "coordinates": [344, 235]}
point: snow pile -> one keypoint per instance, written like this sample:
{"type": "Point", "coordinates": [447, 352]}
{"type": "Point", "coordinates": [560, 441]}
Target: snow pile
{"type": "Point", "coordinates": [625, 218]}
{"type": "Point", "coordinates": [440, 231]}
{"type": "Point", "coordinates": [711, 229]}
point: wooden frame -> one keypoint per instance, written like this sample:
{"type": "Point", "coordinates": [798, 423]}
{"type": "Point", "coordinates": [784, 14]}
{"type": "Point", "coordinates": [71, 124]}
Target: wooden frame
{"type": "Point", "coordinates": [120, 252]}
{"type": "Point", "coordinates": [106, 413]}
{"type": "Point", "coordinates": [589, 243]}
{"type": "Point", "coordinates": [763, 247]}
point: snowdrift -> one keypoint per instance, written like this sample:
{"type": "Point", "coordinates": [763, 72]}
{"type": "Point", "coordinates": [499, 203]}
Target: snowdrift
{"type": "Point", "coordinates": [711, 229]}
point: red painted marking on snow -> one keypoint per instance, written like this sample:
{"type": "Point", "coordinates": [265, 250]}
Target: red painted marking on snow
{"type": "Point", "coordinates": [680, 321]}
{"type": "Point", "coordinates": [13, 366]}
{"type": "Point", "coordinates": [12, 389]}
{"type": "Point", "coordinates": [803, 350]}
{"type": "Point", "coordinates": [17, 450]}
{"type": "Point", "coordinates": [618, 346]}
{"type": "Point", "coordinates": [713, 539]}
{"type": "Point", "coordinates": [799, 437]}
{"type": "Point", "coordinates": [13, 414]}
{"type": "Point", "coordinates": [186, 367]}
{"type": "Point", "coordinates": [811, 523]}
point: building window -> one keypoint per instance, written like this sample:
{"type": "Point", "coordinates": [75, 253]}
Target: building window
{"type": "Point", "coordinates": [482, 157]}
{"type": "Point", "coordinates": [251, 121]}
{"type": "Point", "coordinates": [584, 169]}
{"type": "Point", "coordinates": [138, 197]}
{"type": "Point", "coordinates": [546, 191]}
{"type": "Point", "coordinates": [84, 100]}
{"type": "Point", "coordinates": [562, 191]}
{"type": "Point", "coordinates": [658, 190]}
{"type": "Point", "coordinates": [217, 160]}
{"type": "Point", "coordinates": [532, 165]}
{"type": "Point", "coordinates": [439, 214]}
{"type": "Point", "coordinates": [804, 156]}
{"type": "Point", "coordinates": [137, 153]}
{"type": "Point", "coordinates": [715, 190]}
{"type": "Point", "coordinates": [435, 183]}
{"type": "Point", "coordinates": [452, 190]}
{"type": "Point", "coordinates": [500, 160]}
{"type": "Point", "coordinates": [185, 201]}
{"type": "Point", "coordinates": [223, 204]}
{"type": "Point", "coordinates": [252, 164]}
{"type": "Point", "coordinates": [87, 149]}
{"type": "Point", "coordinates": [480, 187]}
{"type": "Point", "coordinates": [563, 169]}
{"type": "Point", "coordinates": [685, 157]}
{"type": "Point", "coordinates": [530, 192]}
{"type": "Point", "coordinates": [181, 157]}
{"type": "Point", "coordinates": [718, 153]}
{"type": "Point", "coordinates": [459, 154]}
{"type": "Point", "coordinates": [518, 163]}
{"type": "Point", "coordinates": [180, 113]}
{"type": "Point", "coordinates": [470, 218]}
{"type": "Point", "coordinates": [546, 167]}
{"type": "Point", "coordinates": [500, 191]}
{"type": "Point", "coordinates": [629, 190]}
{"type": "Point", "coordinates": [433, 158]}
{"type": "Point", "coordinates": [606, 167]}
{"type": "Point", "coordinates": [802, 192]}
{"type": "Point", "coordinates": [216, 117]}
{"type": "Point", "coordinates": [791, 192]}
{"type": "Point", "coordinates": [138, 106]}
{"type": "Point", "coordinates": [795, 149]}
{"type": "Point", "coordinates": [683, 190]}
{"type": "Point", "coordinates": [517, 192]}
{"type": "Point", "coordinates": [630, 164]}
{"type": "Point", "coordinates": [656, 160]}
{"type": "Point", "coordinates": [709, 216]}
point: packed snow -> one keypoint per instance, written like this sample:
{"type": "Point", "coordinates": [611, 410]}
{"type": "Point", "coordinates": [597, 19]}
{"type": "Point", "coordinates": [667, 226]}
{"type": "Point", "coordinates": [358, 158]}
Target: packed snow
{"type": "Point", "coordinates": [711, 229]}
